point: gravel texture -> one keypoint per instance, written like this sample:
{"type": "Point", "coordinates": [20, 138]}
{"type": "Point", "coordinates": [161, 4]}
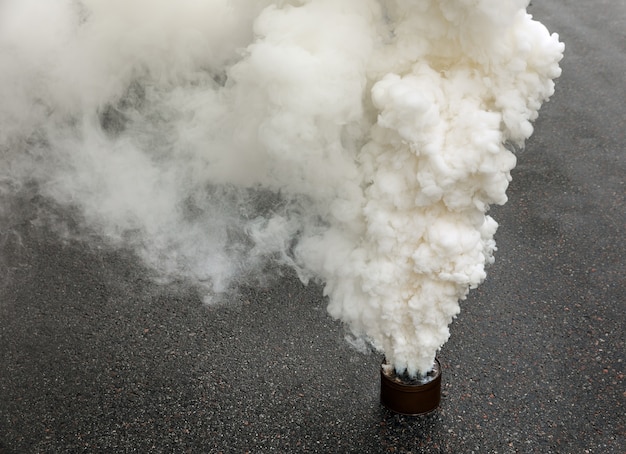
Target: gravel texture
{"type": "Point", "coordinates": [96, 358]}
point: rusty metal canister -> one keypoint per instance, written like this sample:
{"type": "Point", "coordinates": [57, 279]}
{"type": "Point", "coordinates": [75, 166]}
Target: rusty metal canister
{"type": "Point", "coordinates": [411, 398]}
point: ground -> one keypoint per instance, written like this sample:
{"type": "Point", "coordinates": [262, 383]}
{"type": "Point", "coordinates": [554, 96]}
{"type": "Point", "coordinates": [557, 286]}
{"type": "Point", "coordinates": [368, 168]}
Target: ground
{"type": "Point", "coordinates": [94, 357]}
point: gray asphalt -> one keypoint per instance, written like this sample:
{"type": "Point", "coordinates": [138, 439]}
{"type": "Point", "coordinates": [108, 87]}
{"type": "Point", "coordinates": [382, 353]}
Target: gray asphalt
{"type": "Point", "coordinates": [96, 358]}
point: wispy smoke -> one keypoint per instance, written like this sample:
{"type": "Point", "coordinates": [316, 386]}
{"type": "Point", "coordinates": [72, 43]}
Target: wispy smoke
{"type": "Point", "coordinates": [359, 141]}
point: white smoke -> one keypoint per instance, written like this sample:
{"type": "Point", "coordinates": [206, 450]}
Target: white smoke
{"type": "Point", "coordinates": [359, 141]}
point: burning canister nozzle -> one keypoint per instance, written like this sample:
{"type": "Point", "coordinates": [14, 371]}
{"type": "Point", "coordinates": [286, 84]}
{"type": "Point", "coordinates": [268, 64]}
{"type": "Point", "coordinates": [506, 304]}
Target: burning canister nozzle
{"type": "Point", "coordinates": [410, 396]}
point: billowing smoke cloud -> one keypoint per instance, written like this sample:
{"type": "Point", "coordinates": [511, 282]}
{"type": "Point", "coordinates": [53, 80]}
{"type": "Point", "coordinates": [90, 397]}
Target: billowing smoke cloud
{"type": "Point", "coordinates": [359, 141]}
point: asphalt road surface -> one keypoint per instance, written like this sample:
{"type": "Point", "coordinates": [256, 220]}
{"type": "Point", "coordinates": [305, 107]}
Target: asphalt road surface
{"type": "Point", "coordinates": [96, 358]}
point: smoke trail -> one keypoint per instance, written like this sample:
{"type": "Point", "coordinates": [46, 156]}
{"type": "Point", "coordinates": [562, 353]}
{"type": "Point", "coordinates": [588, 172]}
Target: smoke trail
{"type": "Point", "coordinates": [359, 141]}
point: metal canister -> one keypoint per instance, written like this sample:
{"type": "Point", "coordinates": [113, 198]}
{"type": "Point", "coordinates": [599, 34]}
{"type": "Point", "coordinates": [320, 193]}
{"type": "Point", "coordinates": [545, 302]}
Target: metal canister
{"type": "Point", "coordinates": [409, 398]}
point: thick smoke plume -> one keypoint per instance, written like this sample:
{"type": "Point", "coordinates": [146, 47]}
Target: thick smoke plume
{"type": "Point", "coordinates": [359, 141]}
